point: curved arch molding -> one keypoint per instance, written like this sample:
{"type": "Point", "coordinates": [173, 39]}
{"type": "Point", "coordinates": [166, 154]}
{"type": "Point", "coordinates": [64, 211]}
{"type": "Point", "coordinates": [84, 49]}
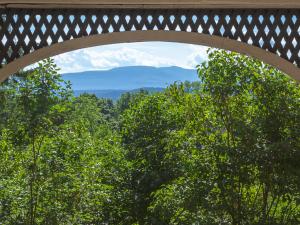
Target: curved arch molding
{"type": "Point", "coordinates": [141, 36]}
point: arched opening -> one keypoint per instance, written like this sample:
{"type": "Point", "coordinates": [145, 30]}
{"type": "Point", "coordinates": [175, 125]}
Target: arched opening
{"type": "Point", "coordinates": [226, 155]}
{"type": "Point", "coordinates": [163, 137]}
{"type": "Point", "coordinates": [141, 36]}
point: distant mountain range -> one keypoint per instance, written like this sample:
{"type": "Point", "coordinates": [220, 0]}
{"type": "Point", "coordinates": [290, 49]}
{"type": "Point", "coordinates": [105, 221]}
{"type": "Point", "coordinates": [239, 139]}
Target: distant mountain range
{"type": "Point", "coordinates": [113, 83]}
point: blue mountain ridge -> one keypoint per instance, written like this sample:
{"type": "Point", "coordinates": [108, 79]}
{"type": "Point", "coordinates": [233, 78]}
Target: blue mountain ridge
{"type": "Point", "coordinates": [115, 82]}
{"type": "Point", "coordinates": [129, 78]}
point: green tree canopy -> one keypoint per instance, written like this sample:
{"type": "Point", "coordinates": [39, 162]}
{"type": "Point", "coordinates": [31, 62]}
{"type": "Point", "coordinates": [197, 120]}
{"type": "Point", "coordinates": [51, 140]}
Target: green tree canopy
{"type": "Point", "coordinates": [222, 150]}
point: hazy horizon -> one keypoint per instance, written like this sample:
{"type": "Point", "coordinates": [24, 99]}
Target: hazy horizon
{"type": "Point", "coordinates": [154, 54]}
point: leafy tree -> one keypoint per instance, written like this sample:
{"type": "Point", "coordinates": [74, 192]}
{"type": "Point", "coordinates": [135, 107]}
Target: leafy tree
{"type": "Point", "coordinates": [152, 139]}
{"type": "Point", "coordinates": [246, 121]}
{"type": "Point", "coordinates": [128, 99]}
{"type": "Point", "coordinates": [36, 108]}
{"type": "Point", "coordinates": [257, 107]}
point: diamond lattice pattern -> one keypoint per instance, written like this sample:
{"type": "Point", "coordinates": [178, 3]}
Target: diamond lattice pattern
{"type": "Point", "coordinates": [24, 31]}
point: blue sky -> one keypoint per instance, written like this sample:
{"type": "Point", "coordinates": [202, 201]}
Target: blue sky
{"type": "Point", "coordinates": [157, 54]}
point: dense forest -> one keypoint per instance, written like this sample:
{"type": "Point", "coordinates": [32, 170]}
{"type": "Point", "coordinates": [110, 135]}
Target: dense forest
{"type": "Point", "coordinates": [223, 150]}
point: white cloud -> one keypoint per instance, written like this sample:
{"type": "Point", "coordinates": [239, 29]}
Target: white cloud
{"type": "Point", "coordinates": [197, 56]}
{"type": "Point", "coordinates": [124, 56]}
